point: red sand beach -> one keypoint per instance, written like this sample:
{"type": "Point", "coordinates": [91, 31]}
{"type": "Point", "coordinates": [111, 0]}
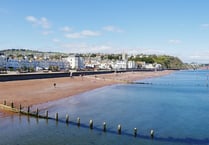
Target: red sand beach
{"type": "Point", "coordinates": [31, 92]}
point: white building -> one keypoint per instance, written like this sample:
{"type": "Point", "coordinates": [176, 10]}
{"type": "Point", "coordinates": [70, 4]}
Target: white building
{"type": "Point", "coordinates": [13, 64]}
{"type": "Point", "coordinates": [3, 61]}
{"type": "Point", "coordinates": [106, 66]}
{"type": "Point", "coordinates": [44, 64]}
{"type": "Point", "coordinates": [24, 63]}
{"type": "Point", "coordinates": [155, 66]}
{"type": "Point", "coordinates": [132, 65]}
{"type": "Point", "coordinates": [75, 62]}
{"type": "Point", "coordinates": [148, 66]}
{"type": "Point", "coordinates": [124, 57]}
{"type": "Point", "coordinates": [119, 65]}
{"type": "Point", "coordinates": [158, 66]}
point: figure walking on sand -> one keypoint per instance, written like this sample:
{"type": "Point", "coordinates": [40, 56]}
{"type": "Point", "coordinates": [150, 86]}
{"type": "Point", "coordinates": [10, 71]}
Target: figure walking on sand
{"type": "Point", "coordinates": [55, 85]}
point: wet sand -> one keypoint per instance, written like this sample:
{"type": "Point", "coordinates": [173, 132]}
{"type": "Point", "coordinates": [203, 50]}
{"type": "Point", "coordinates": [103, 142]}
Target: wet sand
{"type": "Point", "coordinates": [32, 92]}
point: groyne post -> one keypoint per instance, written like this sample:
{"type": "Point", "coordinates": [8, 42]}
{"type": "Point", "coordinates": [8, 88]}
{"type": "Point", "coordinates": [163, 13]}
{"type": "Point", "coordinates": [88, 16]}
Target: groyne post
{"type": "Point", "coordinates": [91, 124]}
{"type": "Point", "coordinates": [135, 132]}
{"type": "Point", "coordinates": [12, 105]}
{"type": "Point", "coordinates": [47, 114]}
{"type": "Point", "coordinates": [20, 108]}
{"type": "Point", "coordinates": [56, 116]}
{"type": "Point", "coordinates": [104, 126]}
{"type": "Point", "coordinates": [37, 111]}
{"type": "Point", "coordinates": [152, 133]}
{"type": "Point", "coordinates": [28, 109]}
{"type": "Point", "coordinates": [67, 118]}
{"type": "Point", "coordinates": [119, 129]}
{"type": "Point", "coordinates": [78, 121]}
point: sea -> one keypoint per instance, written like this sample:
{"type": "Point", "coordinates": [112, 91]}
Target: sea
{"type": "Point", "coordinates": [175, 107]}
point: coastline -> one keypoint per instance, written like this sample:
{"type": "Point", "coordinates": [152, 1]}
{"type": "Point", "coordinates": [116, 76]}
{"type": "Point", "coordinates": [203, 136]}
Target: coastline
{"type": "Point", "coordinates": [33, 92]}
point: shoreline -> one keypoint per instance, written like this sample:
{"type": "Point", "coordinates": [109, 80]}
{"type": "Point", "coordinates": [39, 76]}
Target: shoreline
{"type": "Point", "coordinates": [40, 91]}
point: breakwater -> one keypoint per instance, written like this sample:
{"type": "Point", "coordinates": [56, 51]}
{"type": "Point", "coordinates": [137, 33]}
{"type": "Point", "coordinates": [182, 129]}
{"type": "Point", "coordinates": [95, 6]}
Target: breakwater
{"type": "Point", "coordinates": [35, 113]}
{"type": "Point", "coordinates": [103, 128]}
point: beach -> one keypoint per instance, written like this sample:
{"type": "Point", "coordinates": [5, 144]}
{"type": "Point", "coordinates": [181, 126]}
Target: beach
{"type": "Point", "coordinates": [32, 92]}
{"type": "Point", "coordinates": [156, 106]}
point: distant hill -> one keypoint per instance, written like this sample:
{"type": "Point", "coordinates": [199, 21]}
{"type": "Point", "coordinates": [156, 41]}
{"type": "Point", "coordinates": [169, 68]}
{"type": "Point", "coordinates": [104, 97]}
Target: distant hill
{"type": "Point", "coordinates": [6, 51]}
{"type": "Point", "coordinates": [26, 51]}
{"type": "Point", "coordinates": [18, 53]}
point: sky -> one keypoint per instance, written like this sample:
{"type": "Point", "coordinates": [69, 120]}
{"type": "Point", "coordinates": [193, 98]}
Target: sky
{"type": "Point", "coordinates": [163, 27]}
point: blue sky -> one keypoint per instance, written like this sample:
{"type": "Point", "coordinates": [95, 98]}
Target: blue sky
{"type": "Point", "coordinates": [172, 27]}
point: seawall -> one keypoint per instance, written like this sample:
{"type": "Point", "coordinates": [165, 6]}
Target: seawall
{"type": "Point", "coordinates": [29, 76]}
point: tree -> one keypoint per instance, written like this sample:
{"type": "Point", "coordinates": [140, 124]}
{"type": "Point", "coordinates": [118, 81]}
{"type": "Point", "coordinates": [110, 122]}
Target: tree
{"type": "Point", "coordinates": [53, 68]}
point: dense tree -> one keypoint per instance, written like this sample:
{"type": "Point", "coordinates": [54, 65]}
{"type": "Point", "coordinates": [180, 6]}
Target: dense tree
{"type": "Point", "coordinates": [167, 62]}
{"type": "Point", "coordinates": [53, 68]}
{"type": "Point", "coordinates": [114, 56]}
{"type": "Point", "coordinates": [147, 59]}
{"type": "Point", "coordinates": [93, 55]}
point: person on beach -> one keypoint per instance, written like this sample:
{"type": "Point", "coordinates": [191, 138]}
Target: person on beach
{"type": "Point", "coordinates": [71, 75]}
{"type": "Point", "coordinates": [55, 85]}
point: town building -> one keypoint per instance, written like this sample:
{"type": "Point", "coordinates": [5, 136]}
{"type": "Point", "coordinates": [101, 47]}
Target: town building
{"type": "Point", "coordinates": [119, 65]}
{"type": "Point", "coordinates": [3, 61]}
{"type": "Point", "coordinates": [75, 61]}
{"type": "Point", "coordinates": [132, 65]}
{"type": "Point", "coordinates": [12, 64]}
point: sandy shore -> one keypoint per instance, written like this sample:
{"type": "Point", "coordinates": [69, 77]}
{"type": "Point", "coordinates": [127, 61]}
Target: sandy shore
{"type": "Point", "coordinates": [31, 92]}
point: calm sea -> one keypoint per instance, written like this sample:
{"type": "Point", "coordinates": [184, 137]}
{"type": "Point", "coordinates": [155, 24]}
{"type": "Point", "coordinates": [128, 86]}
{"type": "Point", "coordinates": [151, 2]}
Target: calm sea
{"type": "Point", "coordinates": [174, 106]}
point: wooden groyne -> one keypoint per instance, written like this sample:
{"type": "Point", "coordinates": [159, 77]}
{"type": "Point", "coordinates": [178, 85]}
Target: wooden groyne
{"type": "Point", "coordinates": [36, 114]}
{"type": "Point", "coordinates": [8, 108]}
{"type": "Point", "coordinates": [11, 107]}
{"type": "Point", "coordinates": [140, 83]}
{"type": "Point", "coordinates": [118, 130]}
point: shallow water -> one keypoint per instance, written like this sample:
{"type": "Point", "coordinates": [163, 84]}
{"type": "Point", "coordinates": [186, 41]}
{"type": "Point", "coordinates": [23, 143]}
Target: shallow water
{"type": "Point", "coordinates": [175, 106]}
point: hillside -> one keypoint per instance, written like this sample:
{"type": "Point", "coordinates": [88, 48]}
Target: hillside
{"type": "Point", "coordinates": [20, 53]}
{"type": "Point", "coordinates": [167, 62]}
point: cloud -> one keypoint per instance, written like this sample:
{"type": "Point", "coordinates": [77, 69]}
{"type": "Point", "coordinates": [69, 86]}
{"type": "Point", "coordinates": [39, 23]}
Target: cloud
{"type": "Point", "coordinates": [204, 26]}
{"type": "Point", "coordinates": [66, 29]}
{"type": "Point", "coordinates": [90, 33]}
{"type": "Point", "coordinates": [202, 56]}
{"type": "Point", "coordinates": [83, 34]}
{"type": "Point", "coordinates": [112, 29]}
{"type": "Point", "coordinates": [174, 41]}
{"type": "Point", "coordinates": [31, 19]}
{"type": "Point", "coordinates": [55, 40]}
{"type": "Point", "coordinates": [74, 35]}
{"type": "Point", "coordinates": [145, 51]}
{"type": "Point", "coordinates": [75, 45]}
{"type": "Point", "coordinates": [42, 22]}
{"type": "Point", "coordinates": [106, 48]}
{"type": "Point", "coordinates": [86, 48]}
{"type": "Point", "coordinates": [47, 32]}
